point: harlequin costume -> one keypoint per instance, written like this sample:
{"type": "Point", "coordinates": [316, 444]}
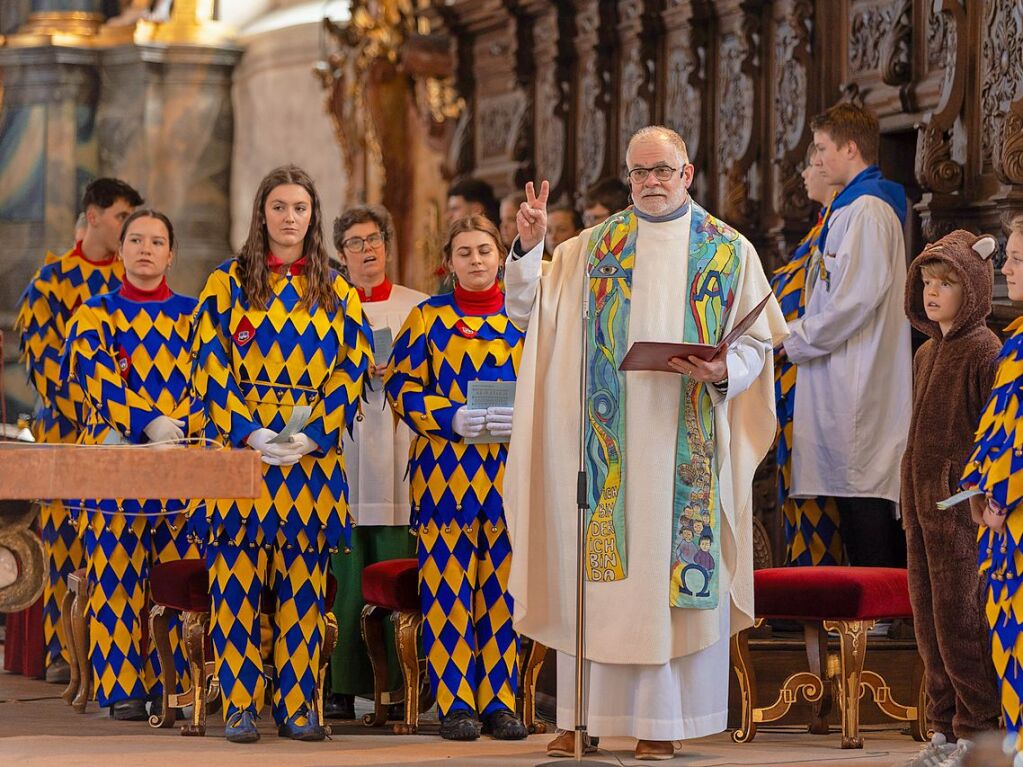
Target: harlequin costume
{"type": "Point", "coordinates": [464, 549]}
{"type": "Point", "coordinates": [996, 466]}
{"type": "Point", "coordinates": [128, 351]}
{"type": "Point", "coordinates": [376, 455]}
{"type": "Point", "coordinates": [252, 366]}
{"type": "Point", "coordinates": [812, 535]}
{"type": "Point", "coordinates": [44, 310]}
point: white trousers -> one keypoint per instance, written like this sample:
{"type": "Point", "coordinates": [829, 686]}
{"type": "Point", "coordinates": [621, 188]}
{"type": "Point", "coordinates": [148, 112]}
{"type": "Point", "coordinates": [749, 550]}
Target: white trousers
{"type": "Point", "coordinates": [682, 699]}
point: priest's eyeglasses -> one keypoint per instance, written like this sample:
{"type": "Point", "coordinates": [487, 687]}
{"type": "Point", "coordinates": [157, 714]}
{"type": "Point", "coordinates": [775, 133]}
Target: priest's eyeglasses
{"type": "Point", "coordinates": [358, 244]}
{"type": "Point", "coordinates": [661, 173]}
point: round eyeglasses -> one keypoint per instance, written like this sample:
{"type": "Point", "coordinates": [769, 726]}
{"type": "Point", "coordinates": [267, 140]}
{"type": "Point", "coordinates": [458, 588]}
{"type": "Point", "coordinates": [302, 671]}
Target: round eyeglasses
{"type": "Point", "coordinates": [358, 244]}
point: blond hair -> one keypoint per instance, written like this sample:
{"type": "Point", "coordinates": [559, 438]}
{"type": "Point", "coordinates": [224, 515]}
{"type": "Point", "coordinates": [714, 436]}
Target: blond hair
{"type": "Point", "coordinates": [939, 269]}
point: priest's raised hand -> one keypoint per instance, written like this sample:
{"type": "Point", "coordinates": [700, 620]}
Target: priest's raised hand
{"type": "Point", "coordinates": [531, 220]}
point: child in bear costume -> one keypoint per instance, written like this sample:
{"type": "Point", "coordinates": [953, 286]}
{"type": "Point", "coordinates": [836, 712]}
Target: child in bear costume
{"type": "Point", "coordinates": [948, 297]}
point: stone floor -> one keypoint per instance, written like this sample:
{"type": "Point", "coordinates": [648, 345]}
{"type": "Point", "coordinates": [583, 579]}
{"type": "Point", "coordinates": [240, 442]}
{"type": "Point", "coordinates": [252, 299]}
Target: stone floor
{"type": "Point", "coordinates": [37, 728]}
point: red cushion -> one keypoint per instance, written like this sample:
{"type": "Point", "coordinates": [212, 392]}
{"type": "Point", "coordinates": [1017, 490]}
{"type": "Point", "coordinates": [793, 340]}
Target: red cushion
{"type": "Point", "coordinates": [181, 585]}
{"type": "Point", "coordinates": [831, 593]}
{"type": "Point", "coordinates": [393, 585]}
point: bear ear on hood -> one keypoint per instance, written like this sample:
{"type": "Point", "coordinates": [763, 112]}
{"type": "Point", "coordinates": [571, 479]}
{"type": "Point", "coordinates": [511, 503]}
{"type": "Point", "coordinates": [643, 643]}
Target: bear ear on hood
{"type": "Point", "coordinates": [985, 246]}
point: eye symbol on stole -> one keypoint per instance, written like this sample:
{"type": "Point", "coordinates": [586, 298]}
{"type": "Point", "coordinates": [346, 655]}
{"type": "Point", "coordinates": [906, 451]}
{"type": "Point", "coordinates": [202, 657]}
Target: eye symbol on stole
{"type": "Point", "coordinates": [608, 270]}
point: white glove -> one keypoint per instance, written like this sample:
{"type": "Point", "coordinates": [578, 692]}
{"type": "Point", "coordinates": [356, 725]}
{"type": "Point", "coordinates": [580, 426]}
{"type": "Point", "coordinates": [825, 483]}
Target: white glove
{"type": "Point", "coordinates": [299, 445]}
{"type": "Point", "coordinates": [469, 423]}
{"type": "Point", "coordinates": [272, 454]}
{"type": "Point", "coordinates": [499, 421]}
{"type": "Point", "coordinates": [164, 429]}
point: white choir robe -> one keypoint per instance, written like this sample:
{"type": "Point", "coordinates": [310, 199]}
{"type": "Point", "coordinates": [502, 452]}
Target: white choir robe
{"type": "Point", "coordinates": [854, 359]}
{"type": "Point", "coordinates": [641, 651]}
{"type": "Point", "coordinates": [375, 460]}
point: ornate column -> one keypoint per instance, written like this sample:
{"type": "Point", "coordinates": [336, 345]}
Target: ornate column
{"type": "Point", "coordinates": [164, 124]}
{"type": "Point", "coordinates": [48, 151]}
{"type": "Point", "coordinates": [638, 39]}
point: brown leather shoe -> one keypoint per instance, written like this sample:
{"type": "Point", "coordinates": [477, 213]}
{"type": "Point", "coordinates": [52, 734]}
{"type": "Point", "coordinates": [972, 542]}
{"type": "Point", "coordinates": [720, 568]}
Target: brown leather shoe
{"type": "Point", "coordinates": [654, 750]}
{"type": "Point", "coordinates": [564, 744]}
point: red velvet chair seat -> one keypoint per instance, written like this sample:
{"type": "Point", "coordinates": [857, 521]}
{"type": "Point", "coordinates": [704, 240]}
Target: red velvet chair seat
{"type": "Point", "coordinates": [831, 593]}
{"type": "Point", "coordinates": [392, 585]}
{"type": "Point", "coordinates": [184, 585]}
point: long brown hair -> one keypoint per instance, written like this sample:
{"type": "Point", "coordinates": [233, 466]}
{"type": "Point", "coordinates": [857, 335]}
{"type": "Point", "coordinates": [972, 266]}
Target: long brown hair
{"type": "Point", "coordinates": [253, 272]}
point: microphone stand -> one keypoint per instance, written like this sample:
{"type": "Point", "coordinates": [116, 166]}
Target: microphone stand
{"type": "Point", "coordinates": [583, 506]}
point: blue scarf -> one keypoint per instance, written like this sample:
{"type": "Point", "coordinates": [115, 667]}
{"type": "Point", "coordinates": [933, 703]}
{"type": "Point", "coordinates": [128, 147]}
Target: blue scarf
{"type": "Point", "coordinates": [868, 181]}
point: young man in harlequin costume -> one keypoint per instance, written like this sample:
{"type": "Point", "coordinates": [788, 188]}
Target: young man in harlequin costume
{"type": "Point", "coordinates": [129, 352]}
{"type": "Point", "coordinates": [994, 467]}
{"type": "Point", "coordinates": [277, 328]}
{"type": "Point", "coordinates": [465, 554]}
{"type": "Point", "coordinates": [45, 308]}
{"type": "Point", "coordinates": [657, 627]}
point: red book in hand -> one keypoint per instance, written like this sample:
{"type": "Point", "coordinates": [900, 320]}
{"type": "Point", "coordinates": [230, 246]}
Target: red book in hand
{"type": "Point", "coordinates": [654, 355]}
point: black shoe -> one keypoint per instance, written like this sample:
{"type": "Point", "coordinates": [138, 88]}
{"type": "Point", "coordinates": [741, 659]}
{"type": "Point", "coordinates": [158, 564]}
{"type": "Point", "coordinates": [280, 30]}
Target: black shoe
{"type": "Point", "coordinates": [460, 725]}
{"type": "Point", "coordinates": [131, 710]}
{"type": "Point", "coordinates": [504, 725]}
{"type": "Point", "coordinates": [338, 706]}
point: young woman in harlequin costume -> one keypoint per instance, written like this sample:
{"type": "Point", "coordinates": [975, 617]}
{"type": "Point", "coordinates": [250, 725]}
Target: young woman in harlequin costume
{"type": "Point", "coordinates": [128, 351]}
{"type": "Point", "coordinates": [457, 508]}
{"type": "Point", "coordinates": [276, 328]}
{"type": "Point", "coordinates": [91, 267]}
{"type": "Point", "coordinates": [995, 467]}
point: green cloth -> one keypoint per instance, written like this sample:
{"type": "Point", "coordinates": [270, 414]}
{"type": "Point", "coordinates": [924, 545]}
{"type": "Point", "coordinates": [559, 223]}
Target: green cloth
{"type": "Point", "coordinates": [350, 669]}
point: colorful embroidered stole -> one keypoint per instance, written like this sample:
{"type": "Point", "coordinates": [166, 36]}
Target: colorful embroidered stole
{"type": "Point", "coordinates": [713, 269]}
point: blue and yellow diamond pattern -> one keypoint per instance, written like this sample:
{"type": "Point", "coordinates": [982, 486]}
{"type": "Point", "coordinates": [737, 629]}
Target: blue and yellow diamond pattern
{"type": "Point", "coordinates": [457, 507]}
{"type": "Point", "coordinates": [812, 535]}
{"type": "Point", "coordinates": [44, 310]}
{"type": "Point", "coordinates": [996, 467]}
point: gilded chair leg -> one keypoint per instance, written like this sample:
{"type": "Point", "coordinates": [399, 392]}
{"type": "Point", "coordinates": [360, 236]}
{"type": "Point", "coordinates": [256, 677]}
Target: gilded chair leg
{"type": "Point", "coordinates": [66, 621]}
{"type": "Point", "coordinates": [371, 623]}
{"type": "Point", "coordinates": [742, 665]}
{"type": "Point", "coordinates": [159, 631]}
{"type": "Point", "coordinates": [193, 633]}
{"type": "Point", "coordinates": [816, 639]}
{"type": "Point", "coordinates": [406, 632]}
{"type": "Point", "coordinates": [853, 642]}
{"type": "Point", "coordinates": [80, 646]}
{"type": "Point", "coordinates": [530, 672]}
{"type": "Point", "coordinates": [326, 650]}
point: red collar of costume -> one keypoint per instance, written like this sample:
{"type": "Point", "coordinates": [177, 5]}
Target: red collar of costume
{"type": "Point", "coordinates": [160, 293]}
{"type": "Point", "coordinates": [276, 265]}
{"type": "Point", "coordinates": [479, 302]}
{"type": "Point", "coordinates": [79, 253]}
{"type": "Point", "coordinates": [379, 292]}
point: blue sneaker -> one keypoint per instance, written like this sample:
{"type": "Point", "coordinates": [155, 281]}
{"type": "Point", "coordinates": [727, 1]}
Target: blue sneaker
{"type": "Point", "coordinates": [241, 727]}
{"type": "Point", "coordinates": [302, 726]}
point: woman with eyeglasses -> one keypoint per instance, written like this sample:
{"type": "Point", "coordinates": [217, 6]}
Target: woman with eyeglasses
{"type": "Point", "coordinates": [376, 454]}
{"type": "Point", "coordinates": [278, 329]}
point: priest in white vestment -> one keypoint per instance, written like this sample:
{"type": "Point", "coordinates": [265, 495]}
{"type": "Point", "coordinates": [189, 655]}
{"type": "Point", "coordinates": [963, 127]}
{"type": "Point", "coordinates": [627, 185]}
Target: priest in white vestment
{"type": "Point", "coordinates": [670, 455]}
